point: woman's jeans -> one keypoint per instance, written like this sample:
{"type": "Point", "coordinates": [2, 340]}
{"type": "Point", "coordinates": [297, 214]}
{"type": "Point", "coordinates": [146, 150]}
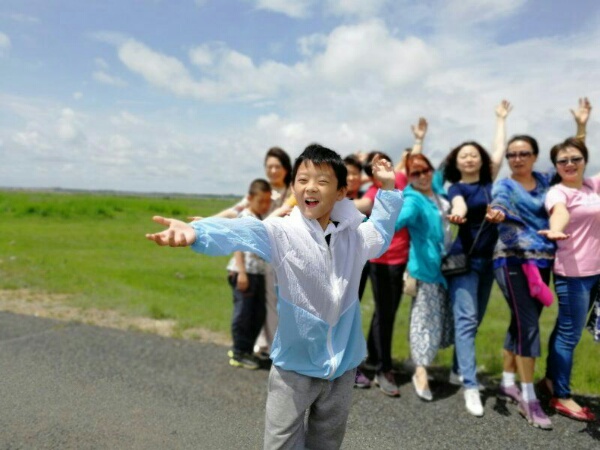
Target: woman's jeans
{"type": "Point", "coordinates": [575, 299]}
{"type": "Point", "coordinates": [469, 296]}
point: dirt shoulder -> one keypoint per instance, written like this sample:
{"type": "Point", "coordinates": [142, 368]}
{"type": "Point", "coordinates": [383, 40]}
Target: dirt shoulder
{"type": "Point", "coordinates": [54, 306]}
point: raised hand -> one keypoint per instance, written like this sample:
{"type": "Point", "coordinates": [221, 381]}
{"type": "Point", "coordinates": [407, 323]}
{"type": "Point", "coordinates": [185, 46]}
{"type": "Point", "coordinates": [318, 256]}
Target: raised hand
{"type": "Point", "coordinates": [503, 109]}
{"type": "Point", "coordinates": [554, 235]}
{"type": "Point", "coordinates": [383, 172]}
{"type": "Point", "coordinates": [582, 114]}
{"type": "Point", "coordinates": [178, 233]}
{"type": "Point", "coordinates": [420, 129]}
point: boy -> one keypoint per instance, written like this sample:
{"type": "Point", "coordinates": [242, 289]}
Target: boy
{"type": "Point", "coordinates": [247, 279]}
{"type": "Point", "coordinates": [318, 253]}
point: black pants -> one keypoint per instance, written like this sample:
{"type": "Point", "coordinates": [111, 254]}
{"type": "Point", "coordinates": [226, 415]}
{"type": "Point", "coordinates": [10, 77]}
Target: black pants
{"type": "Point", "coordinates": [387, 284]}
{"type": "Point", "coordinates": [249, 311]}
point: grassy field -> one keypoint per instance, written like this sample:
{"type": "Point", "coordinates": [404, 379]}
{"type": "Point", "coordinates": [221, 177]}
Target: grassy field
{"type": "Point", "coordinates": [92, 247]}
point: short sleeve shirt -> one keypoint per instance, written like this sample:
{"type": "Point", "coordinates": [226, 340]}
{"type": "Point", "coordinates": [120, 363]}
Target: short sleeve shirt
{"type": "Point", "coordinates": [577, 256]}
{"type": "Point", "coordinates": [477, 196]}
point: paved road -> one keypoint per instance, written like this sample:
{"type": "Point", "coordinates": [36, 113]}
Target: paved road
{"type": "Point", "coordinates": [66, 385]}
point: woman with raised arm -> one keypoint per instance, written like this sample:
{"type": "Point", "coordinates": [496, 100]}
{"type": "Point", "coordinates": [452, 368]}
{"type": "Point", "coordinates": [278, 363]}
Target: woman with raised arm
{"type": "Point", "coordinates": [424, 214]}
{"type": "Point", "coordinates": [472, 172]}
{"type": "Point", "coordinates": [574, 208]}
{"type": "Point", "coordinates": [522, 265]}
{"type": "Point", "coordinates": [387, 282]}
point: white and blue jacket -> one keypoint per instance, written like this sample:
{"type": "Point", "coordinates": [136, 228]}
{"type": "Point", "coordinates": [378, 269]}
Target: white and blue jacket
{"type": "Point", "coordinates": [319, 333]}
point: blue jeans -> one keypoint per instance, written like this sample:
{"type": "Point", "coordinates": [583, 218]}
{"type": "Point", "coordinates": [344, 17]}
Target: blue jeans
{"type": "Point", "coordinates": [469, 296]}
{"type": "Point", "coordinates": [575, 299]}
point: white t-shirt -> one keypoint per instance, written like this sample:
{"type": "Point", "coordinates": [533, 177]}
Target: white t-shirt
{"type": "Point", "coordinates": [578, 256]}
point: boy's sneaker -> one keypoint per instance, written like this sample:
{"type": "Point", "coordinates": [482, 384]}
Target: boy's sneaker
{"type": "Point", "coordinates": [532, 411]}
{"type": "Point", "coordinates": [262, 356]}
{"type": "Point", "coordinates": [473, 402]}
{"type": "Point", "coordinates": [510, 393]}
{"type": "Point", "coordinates": [361, 381]}
{"type": "Point", "coordinates": [243, 360]}
{"type": "Point", "coordinates": [387, 384]}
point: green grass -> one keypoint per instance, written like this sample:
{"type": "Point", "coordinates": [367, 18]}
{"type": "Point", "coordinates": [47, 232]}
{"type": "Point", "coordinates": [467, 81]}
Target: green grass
{"type": "Point", "coordinates": [93, 248]}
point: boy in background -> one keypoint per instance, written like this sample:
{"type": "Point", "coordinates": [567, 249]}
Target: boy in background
{"type": "Point", "coordinates": [247, 279]}
{"type": "Point", "coordinates": [318, 253]}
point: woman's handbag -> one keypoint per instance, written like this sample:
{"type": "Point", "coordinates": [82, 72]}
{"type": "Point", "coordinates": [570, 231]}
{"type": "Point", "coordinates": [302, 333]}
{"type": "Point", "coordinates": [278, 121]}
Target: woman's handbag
{"type": "Point", "coordinates": [460, 263]}
{"type": "Point", "coordinates": [453, 265]}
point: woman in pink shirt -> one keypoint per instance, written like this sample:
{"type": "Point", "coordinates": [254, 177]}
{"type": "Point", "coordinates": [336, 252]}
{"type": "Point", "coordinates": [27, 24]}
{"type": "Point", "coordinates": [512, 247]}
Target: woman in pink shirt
{"type": "Point", "coordinates": [574, 208]}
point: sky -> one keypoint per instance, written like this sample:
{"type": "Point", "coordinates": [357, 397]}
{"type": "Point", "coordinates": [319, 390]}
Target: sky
{"type": "Point", "coordinates": [187, 95]}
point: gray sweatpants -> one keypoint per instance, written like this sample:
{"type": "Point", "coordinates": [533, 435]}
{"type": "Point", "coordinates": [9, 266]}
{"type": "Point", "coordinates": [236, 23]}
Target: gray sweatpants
{"type": "Point", "coordinates": [305, 412]}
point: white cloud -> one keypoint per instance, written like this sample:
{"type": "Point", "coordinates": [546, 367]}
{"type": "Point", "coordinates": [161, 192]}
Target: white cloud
{"type": "Point", "coordinates": [67, 128]}
{"type": "Point", "coordinates": [201, 56]}
{"type": "Point", "coordinates": [77, 95]}
{"type": "Point", "coordinates": [23, 18]}
{"type": "Point", "coordinates": [4, 44]}
{"type": "Point", "coordinates": [309, 45]}
{"type": "Point", "coordinates": [105, 78]}
{"type": "Point", "coordinates": [292, 8]}
{"type": "Point", "coordinates": [376, 55]}
{"type": "Point", "coordinates": [474, 11]}
{"type": "Point", "coordinates": [126, 119]}
{"type": "Point", "coordinates": [359, 8]}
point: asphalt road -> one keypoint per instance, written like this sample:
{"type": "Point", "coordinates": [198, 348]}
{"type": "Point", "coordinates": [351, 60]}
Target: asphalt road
{"type": "Point", "coordinates": [74, 386]}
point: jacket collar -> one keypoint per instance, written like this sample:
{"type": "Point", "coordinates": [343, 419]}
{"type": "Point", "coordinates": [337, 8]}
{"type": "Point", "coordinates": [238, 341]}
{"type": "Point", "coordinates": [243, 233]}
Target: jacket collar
{"type": "Point", "coordinates": [344, 212]}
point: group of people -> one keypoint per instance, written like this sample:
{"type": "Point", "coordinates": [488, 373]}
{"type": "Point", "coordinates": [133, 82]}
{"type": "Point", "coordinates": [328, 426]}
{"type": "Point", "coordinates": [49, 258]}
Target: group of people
{"type": "Point", "coordinates": [309, 271]}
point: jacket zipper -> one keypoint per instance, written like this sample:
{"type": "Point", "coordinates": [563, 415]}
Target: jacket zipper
{"type": "Point", "coordinates": [335, 293]}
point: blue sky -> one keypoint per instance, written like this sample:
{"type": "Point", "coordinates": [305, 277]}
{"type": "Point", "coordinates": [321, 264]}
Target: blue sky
{"type": "Point", "coordinates": [187, 95]}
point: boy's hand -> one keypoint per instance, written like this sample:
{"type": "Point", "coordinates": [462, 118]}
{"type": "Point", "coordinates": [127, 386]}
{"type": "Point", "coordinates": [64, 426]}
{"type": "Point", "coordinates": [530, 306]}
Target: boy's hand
{"type": "Point", "coordinates": [242, 282]}
{"type": "Point", "coordinates": [383, 172]}
{"type": "Point", "coordinates": [178, 233]}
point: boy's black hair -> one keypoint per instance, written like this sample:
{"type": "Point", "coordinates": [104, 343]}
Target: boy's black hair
{"type": "Point", "coordinates": [368, 167]}
{"type": "Point", "coordinates": [319, 155]}
{"type": "Point", "coordinates": [259, 185]}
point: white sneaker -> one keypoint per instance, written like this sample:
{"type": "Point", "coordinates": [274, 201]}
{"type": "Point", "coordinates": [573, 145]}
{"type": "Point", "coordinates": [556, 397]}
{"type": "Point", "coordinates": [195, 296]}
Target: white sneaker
{"type": "Point", "coordinates": [457, 380]}
{"type": "Point", "coordinates": [473, 402]}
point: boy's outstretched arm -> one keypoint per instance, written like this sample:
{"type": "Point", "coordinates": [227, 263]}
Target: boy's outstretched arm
{"type": "Point", "coordinates": [178, 233]}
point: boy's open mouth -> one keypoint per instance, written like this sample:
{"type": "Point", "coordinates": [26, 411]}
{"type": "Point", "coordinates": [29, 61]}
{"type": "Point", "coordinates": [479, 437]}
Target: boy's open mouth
{"type": "Point", "coordinates": [311, 202]}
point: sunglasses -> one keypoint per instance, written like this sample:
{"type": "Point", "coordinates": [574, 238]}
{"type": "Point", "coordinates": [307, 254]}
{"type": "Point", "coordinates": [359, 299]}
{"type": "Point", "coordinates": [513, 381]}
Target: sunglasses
{"type": "Point", "coordinates": [522, 155]}
{"type": "Point", "coordinates": [418, 173]}
{"type": "Point", "coordinates": [574, 160]}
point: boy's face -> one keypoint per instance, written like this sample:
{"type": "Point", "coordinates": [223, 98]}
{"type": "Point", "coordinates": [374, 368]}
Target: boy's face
{"type": "Point", "coordinates": [316, 191]}
{"type": "Point", "coordinates": [259, 203]}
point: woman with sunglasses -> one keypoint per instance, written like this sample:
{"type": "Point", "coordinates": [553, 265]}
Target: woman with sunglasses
{"type": "Point", "coordinates": [424, 214]}
{"type": "Point", "coordinates": [522, 264]}
{"type": "Point", "coordinates": [472, 171]}
{"type": "Point", "coordinates": [574, 208]}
